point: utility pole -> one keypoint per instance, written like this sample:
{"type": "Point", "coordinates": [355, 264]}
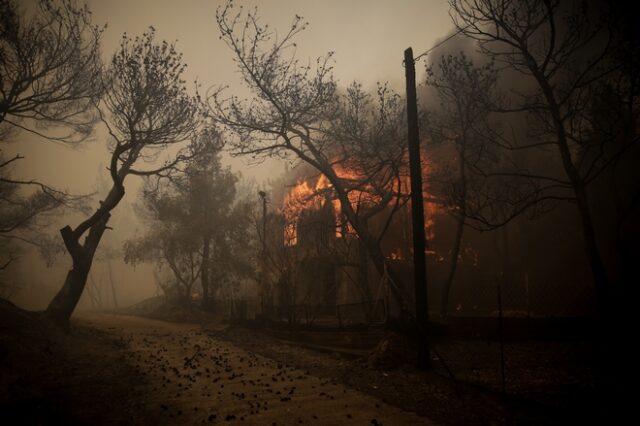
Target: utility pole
{"type": "Point", "coordinates": [501, 337]}
{"type": "Point", "coordinates": [417, 214]}
{"type": "Point", "coordinates": [263, 272]}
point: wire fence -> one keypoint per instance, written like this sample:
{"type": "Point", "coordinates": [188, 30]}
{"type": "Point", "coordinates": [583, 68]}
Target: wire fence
{"type": "Point", "coordinates": [474, 294]}
{"type": "Point", "coordinates": [360, 313]}
{"type": "Point", "coordinates": [479, 300]}
{"type": "Point", "coordinates": [518, 300]}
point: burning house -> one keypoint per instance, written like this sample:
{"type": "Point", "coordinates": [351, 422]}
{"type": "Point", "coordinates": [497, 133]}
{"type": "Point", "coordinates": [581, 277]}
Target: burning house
{"type": "Point", "coordinates": [319, 270]}
{"type": "Point", "coordinates": [325, 270]}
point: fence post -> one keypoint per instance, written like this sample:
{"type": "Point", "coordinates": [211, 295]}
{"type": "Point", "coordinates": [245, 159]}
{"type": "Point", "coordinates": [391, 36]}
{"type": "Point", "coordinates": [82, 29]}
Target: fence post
{"type": "Point", "coordinates": [501, 338]}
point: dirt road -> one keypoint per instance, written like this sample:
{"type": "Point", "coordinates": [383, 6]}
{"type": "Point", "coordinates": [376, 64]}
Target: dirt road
{"type": "Point", "coordinates": [194, 378]}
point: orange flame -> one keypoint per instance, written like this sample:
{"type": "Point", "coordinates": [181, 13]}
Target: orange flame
{"type": "Point", "coordinates": [301, 197]}
{"type": "Point", "coordinates": [305, 196]}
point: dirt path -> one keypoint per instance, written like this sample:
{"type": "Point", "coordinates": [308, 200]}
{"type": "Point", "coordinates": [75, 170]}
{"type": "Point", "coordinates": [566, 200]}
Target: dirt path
{"type": "Point", "coordinates": [193, 378]}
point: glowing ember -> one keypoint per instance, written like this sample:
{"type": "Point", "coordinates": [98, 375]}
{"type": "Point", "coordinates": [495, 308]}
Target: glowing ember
{"type": "Point", "coordinates": [396, 254]}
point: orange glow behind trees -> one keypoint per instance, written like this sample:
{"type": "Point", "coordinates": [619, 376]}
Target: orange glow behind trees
{"type": "Point", "coordinates": [312, 194]}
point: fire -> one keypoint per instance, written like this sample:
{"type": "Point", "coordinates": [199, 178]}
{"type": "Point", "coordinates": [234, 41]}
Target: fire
{"type": "Point", "coordinates": [430, 209]}
{"type": "Point", "coordinates": [300, 198]}
{"type": "Point", "coordinates": [306, 195]}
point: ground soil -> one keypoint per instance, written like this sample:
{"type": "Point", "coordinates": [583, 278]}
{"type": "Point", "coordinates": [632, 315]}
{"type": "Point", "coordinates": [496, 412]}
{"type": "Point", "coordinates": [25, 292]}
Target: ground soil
{"type": "Point", "coordinates": [548, 383]}
{"type": "Point", "coordinates": [51, 377]}
{"type": "Point", "coordinates": [114, 369]}
{"type": "Point", "coordinates": [117, 369]}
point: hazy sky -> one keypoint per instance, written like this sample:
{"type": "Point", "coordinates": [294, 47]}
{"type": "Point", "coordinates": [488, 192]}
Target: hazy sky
{"type": "Point", "coordinates": [368, 38]}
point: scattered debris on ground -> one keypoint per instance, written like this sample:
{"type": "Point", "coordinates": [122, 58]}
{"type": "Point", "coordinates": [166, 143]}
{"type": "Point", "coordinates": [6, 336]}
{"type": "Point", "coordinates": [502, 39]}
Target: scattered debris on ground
{"type": "Point", "coordinates": [49, 377]}
{"type": "Point", "coordinates": [172, 372]}
{"type": "Point", "coordinates": [472, 398]}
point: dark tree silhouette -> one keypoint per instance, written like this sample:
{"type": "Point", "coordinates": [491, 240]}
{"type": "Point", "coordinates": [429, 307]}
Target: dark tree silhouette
{"type": "Point", "coordinates": [49, 63]}
{"type": "Point", "coordinates": [296, 112]}
{"type": "Point", "coordinates": [194, 221]}
{"type": "Point", "coordinates": [458, 127]}
{"type": "Point", "coordinates": [569, 53]}
{"type": "Point", "coordinates": [146, 111]}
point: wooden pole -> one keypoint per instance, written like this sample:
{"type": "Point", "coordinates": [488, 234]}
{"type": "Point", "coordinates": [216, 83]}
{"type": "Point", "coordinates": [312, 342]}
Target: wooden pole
{"type": "Point", "coordinates": [263, 268]}
{"type": "Point", "coordinates": [501, 338]}
{"type": "Point", "coordinates": [417, 214]}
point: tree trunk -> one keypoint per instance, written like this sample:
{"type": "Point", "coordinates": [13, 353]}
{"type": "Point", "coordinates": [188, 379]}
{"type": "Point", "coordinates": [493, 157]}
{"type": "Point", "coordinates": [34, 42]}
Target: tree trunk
{"type": "Point", "coordinates": [588, 230]}
{"type": "Point", "coordinates": [593, 254]}
{"type": "Point", "coordinates": [366, 238]}
{"type": "Point", "coordinates": [320, 162]}
{"type": "Point", "coordinates": [370, 242]}
{"type": "Point", "coordinates": [94, 294]}
{"type": "Point", "coordinates": [204, 274]}
{"type": "Point", "coordinates": [455, 252]}
{"type": "Point", "coordinates": [363, 280]}
{"type": "Point", "coordinates": [112, 285]}
{"type": "Point", "coordinates": [378, 259]}
{"type": "Point", "coordinates": [65, 301]}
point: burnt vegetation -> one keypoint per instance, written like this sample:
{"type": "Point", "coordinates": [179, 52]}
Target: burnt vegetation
{"type": "Point", "coordinates": [528, 154]}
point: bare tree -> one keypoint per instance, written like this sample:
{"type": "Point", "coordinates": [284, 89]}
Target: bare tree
{"type": "Point", "coordinates": [458, 127]}
{"type": "Point", "coordinates": [566, 51]}
{"type": "Point", "coordinates": [146, 111]}
{"type": "Point", "coordinates": [27, 205]}
{"type": "Point", "coordinates": [295, 112]}
{"type": "Point", "coordinates": [49, 63]}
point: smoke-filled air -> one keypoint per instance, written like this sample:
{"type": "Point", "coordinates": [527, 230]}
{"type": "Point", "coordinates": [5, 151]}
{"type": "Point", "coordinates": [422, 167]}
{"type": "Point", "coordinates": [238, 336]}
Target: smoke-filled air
{"type": "Point", "coordinates": [367, 212]}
